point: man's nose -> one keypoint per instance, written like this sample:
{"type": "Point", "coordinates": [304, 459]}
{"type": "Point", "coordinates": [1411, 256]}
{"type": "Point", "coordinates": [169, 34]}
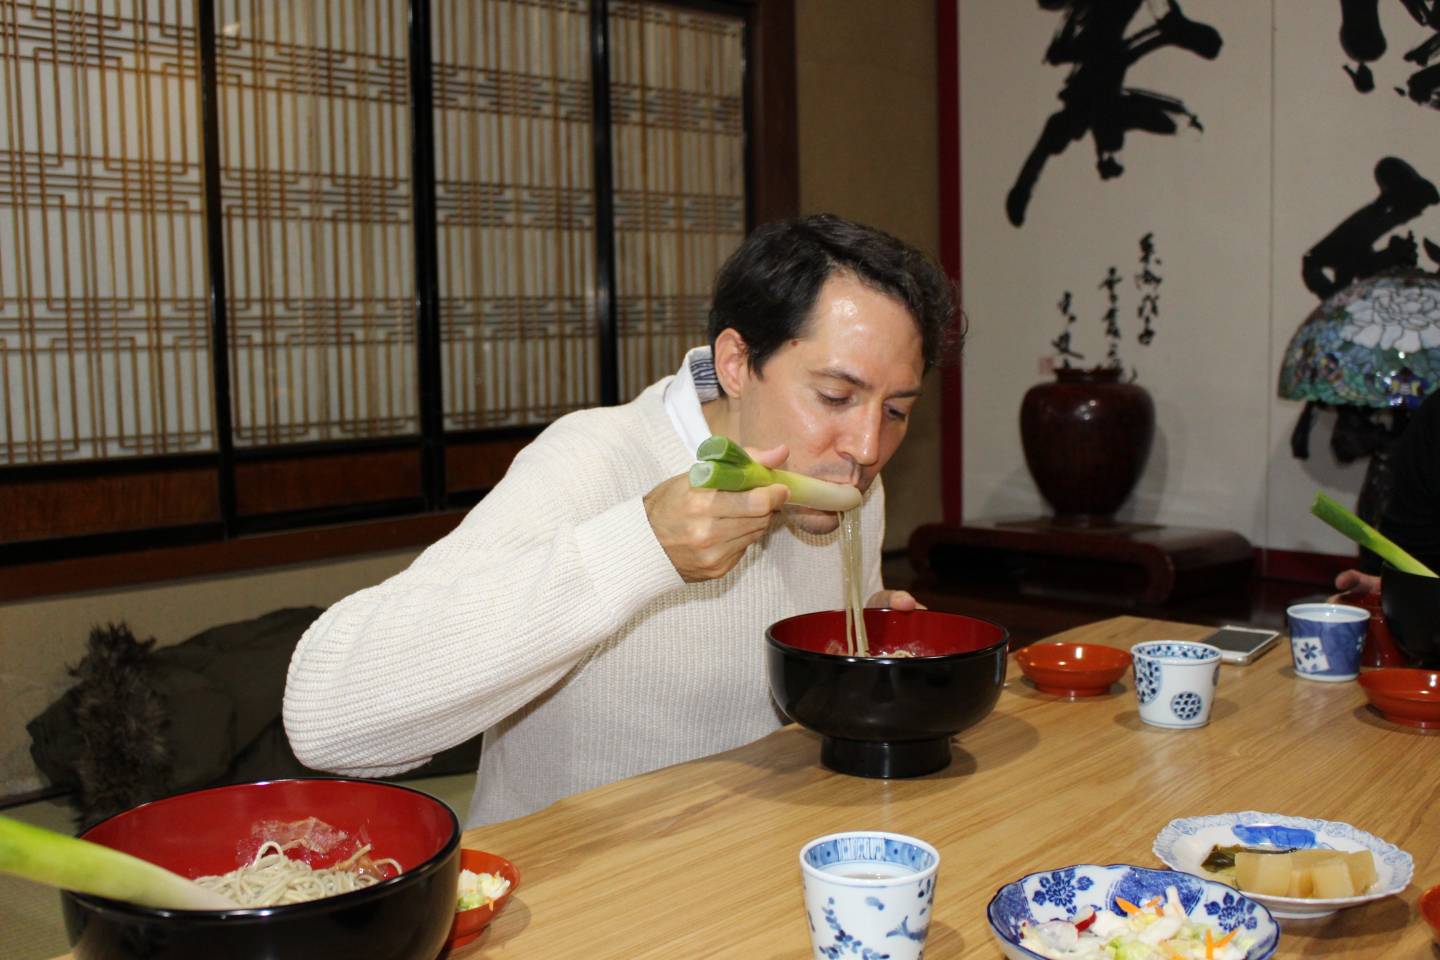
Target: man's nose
{"type": "Point", "coordinates": [861, 442]}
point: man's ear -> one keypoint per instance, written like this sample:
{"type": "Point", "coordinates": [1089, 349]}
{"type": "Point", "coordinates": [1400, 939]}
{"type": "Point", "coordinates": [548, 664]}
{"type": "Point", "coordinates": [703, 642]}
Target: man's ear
{"type": "Point", "coordinates": [732, 362]}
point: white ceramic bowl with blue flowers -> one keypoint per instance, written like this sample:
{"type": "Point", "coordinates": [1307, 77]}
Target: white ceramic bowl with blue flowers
{"type": "Point", "coordinates": [1062, 893]}
{"type": "Point", "coordinates": [1184, 843]}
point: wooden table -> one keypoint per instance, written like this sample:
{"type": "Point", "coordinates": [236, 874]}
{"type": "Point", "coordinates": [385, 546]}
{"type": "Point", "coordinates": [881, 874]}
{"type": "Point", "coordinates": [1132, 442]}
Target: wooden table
{"type": "Point", "coordinates": [700, 859]}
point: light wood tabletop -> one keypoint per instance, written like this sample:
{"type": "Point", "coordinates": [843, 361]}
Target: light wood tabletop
{"type": "Point", "coordinates": [700, 859]}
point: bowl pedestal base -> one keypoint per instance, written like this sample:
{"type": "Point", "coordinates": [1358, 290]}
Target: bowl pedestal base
{"type": "Point", "coordinates": [885, 760]}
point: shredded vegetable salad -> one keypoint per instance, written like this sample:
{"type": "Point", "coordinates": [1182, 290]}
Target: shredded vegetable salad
{"type": "Point", "coordinates": [1156, 930]}
{"type": "Point", "coordinates": [479, 889]}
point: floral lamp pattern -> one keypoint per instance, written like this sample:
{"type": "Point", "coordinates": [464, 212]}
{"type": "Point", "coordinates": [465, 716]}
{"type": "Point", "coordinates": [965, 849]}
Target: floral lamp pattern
{"type": "Point", "coordinates": [1375, 343]}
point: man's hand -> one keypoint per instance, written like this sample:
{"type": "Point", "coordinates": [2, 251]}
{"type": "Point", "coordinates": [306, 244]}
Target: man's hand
{"type": "Point", "coordinates": [706, 532]}
{"type": "Point", "coordinates": [895, 600]}
{"type": "Point", "coordinates": [1353, 581]}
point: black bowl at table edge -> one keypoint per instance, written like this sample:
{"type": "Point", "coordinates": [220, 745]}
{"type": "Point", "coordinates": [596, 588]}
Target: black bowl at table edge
{"type": "Point", "coordinates": [378, 922]}
{"type": "Point", "coordinates": [1411, 603]}
{"type": "Point", "coordinates": [359, 924]}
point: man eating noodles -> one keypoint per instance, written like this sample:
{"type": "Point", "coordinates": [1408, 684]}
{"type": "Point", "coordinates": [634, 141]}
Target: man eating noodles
{"type": "Point", "coordinates": [595, 615]}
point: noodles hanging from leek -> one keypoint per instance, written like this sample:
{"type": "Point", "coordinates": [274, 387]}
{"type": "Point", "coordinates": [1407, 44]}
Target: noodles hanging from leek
{"type": "Point", "coordinates": [857, 644]}
{"type": "Point", "coordinates": [273, 879]}
{"type": "Point", "coordinates": [852, 563]}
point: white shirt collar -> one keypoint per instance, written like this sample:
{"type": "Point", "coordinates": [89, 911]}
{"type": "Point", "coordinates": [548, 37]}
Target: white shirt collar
{"type": "Point", "coordinates": [694, 383]}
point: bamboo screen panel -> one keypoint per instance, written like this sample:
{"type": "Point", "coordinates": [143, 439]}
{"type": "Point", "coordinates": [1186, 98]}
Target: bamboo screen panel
{"type": "Point", "coordinates": [676, 101]}
{"type": "Point", "coordinates": [104, 334]}
{"type": "Point", "coordinates": [316, 200]}
{"type": "Point", "coordinates": [515, 210]}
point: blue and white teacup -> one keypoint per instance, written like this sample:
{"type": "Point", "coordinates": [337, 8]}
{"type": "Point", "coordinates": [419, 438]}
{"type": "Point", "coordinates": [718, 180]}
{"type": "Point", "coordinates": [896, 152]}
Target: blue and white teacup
{"type": "Point", "coordinates": [869, 893]}
{"type": "Point", "coordinates": [1175, 681]}
{"type": "Point", "coordinates": [1326, 640]}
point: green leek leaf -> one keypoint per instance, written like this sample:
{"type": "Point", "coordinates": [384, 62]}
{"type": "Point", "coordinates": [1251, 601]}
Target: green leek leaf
{"type": "Point", "coordinates": [1351, 526]}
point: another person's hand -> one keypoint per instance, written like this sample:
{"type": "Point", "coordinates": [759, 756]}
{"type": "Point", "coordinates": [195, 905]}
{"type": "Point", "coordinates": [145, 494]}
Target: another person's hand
{"type": "Point", "coordinates": [706, 532]}
{"type": "Point", "coordinates": [895, 600]}
{"type": "Point", "coordinates": [1353, 581]}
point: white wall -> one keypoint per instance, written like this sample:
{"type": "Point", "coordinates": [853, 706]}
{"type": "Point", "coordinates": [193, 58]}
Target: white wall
{"type": "Point", "coordinates": [1287, 153]}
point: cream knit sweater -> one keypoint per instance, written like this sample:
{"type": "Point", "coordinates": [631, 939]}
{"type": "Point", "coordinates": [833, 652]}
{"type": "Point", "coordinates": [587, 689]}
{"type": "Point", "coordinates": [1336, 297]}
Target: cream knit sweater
{"type": "Point", "coordinates": [552, 619]}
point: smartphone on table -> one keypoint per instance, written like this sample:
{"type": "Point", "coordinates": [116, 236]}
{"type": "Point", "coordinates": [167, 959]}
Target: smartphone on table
{"type": "Point", "coordinates": [1242, 644]}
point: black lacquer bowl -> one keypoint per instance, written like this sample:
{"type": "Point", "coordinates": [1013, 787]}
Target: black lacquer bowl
{"type": "Point", "coordinates": [1411, 602]}
{"type": "Point", "coordinates": [406, 917]}
{"type": "Point", "coordinates": [886, 716]}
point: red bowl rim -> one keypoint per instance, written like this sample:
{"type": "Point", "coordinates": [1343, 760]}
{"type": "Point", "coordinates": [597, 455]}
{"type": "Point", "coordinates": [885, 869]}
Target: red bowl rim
{"type": "Point", "coordinates": [1429, 904]}
{"type": "Point", "coordinates": [1393, 707]}
{"type": "Point", "coordinates": [102, 905]}
{"type": "Point", "coordinates": [1380, 682]}
{"type": "Point", "coordinates": [1002, 643]}
{"type": "Point", "coordinates": [1122, 658]}
{"type": "Point", "coordinates": [514, 877]}
{"type": "Point", "coordinates": [1422, 712]}
{"type": "Point", "coordinates": [457, 939]}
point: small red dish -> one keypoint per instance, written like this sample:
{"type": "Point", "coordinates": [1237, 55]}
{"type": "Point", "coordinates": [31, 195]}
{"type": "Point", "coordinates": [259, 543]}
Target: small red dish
{"type": "Point", "coordinates": [1073, 669]}
{"type": "Point", "coordinates": [1430, 910]}
{"type": "Point", "coordinates": [469, 924]}
{"type": "Point", "coordinates": [1404, 695]}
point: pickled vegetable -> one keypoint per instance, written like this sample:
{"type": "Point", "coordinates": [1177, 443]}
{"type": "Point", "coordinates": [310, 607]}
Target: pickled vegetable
{"type": "Point", "coordinates": [1315, 874]}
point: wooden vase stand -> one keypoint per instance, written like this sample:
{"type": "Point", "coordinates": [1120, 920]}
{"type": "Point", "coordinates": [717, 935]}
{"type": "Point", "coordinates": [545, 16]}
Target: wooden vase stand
{"type": "Point", "coordinates": [1134, 564]}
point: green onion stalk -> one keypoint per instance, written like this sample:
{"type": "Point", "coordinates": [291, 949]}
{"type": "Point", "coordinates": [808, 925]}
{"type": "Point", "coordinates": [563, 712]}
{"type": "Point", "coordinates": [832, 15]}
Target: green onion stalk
{"type": "Point", "coordinates": [724, 465]}
{"type": "Point", "coordinates": [54, 859]}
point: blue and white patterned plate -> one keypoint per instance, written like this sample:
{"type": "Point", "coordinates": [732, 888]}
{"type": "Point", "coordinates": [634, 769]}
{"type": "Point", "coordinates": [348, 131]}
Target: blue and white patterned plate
{"type": "Point", "coordinates": [1184, 843]}
{"type": "Point", "coordinates": [1062, 893]}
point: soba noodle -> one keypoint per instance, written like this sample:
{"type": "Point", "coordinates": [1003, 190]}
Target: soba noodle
{"type": "Point", "coordinates": [857, 644]}
{"type": "Point", "coordinates": [852, 563]}
{"type": "Point", "coordinates": [273, 879]}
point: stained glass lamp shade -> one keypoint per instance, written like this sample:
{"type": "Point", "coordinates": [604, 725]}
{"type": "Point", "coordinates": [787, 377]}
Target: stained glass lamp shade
{"type": "Point", "coordinates": [1374, 344]}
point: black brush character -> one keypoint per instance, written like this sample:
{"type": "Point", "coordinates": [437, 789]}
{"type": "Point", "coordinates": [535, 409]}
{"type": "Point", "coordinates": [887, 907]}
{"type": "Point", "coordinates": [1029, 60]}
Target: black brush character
{"type": "Point", "coordinates": [1348, 253]}
{"type": "Point", "coordinates": [1363, 40]}
{"type": "Point", "coordinates": [1096, 100]}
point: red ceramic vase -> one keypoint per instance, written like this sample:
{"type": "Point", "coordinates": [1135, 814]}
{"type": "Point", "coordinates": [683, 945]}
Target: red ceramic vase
{"type": "Point", "coordinates": [1086, 438]}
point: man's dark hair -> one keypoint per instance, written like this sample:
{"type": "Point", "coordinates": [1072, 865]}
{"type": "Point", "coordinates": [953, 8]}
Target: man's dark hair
{"type": "Point", "coordinates": [766, 289]}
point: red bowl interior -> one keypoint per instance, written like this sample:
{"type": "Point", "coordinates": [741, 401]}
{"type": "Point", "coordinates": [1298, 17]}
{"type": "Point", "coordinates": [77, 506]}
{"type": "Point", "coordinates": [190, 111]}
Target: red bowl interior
{"type": "Point", "coordinates": [1405, 695]}
{"type": "Point", "coordinates": [199, 834]}
{"type": "Point", "coordinates": [1430, 910]}
{"type": "Point", "coordinates": [469, 924]}
{"type": "Point", "coordinates": [1073, 666]}
{"type": "Point", "coordinates": [921, 633]}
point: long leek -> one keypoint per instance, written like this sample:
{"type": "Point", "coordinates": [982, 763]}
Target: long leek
{"type": "Point", "coordinates": [1367, 536]}
{"type": "Point", "coordinates": [54, 859]}
{"type": "Point", "coordinates": [724, 465]}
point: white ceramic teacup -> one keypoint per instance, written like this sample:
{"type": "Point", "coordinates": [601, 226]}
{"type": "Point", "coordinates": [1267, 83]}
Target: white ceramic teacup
{"type": "Point", "coordinates": [1175, 682]}
{"type": "Point", "coordinates": [868, 892]}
